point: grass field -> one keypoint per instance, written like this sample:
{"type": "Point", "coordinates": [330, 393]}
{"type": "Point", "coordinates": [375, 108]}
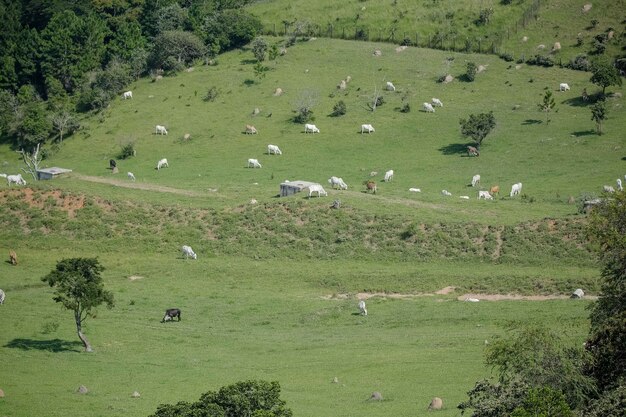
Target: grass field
{"type": "Point", "coordinates": [273, 293]}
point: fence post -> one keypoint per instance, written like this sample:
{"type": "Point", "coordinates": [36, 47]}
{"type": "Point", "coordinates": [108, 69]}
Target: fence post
{"type": "Point", "coordinates": [416, 39]}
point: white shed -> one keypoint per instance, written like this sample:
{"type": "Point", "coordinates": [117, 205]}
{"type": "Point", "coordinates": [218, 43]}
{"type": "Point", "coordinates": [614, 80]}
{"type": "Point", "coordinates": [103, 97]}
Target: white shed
{"type": "Point", "coordinates": [49, 173]}
{"type": "Point", "coordinates": [288, 188]}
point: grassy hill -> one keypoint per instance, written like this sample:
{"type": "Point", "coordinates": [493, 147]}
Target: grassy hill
{"type": "Point", "coordinates": [273, 292]}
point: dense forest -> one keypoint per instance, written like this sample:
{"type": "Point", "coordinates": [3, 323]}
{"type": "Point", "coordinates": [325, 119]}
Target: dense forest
{"type": "Point", "coordinates": [59, 58]}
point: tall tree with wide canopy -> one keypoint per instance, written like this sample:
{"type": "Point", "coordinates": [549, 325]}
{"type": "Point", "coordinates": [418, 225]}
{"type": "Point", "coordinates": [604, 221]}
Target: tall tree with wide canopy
{"type": "Point", "coordinates": [478, 126]}
{"type": "Point", "coordinates": [79, 287]}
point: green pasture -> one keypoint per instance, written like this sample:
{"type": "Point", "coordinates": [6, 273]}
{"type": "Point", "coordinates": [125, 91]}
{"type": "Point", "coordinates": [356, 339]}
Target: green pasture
{"type": "Point", "coordinates": [273, 293]}
{"type": "Point", "coordinates": [291, 321]}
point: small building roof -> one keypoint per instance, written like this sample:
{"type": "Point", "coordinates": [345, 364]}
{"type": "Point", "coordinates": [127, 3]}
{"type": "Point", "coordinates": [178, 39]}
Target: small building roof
{"type": "Point", "coordinates": [54, 170]}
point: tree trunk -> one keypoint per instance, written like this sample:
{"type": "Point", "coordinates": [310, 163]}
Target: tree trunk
{"type": "Point", "coordinates": [81, 336]}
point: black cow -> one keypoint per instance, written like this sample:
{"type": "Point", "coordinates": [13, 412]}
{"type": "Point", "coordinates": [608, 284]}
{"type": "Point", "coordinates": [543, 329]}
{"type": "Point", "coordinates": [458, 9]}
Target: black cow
{"type": "Point", "coordinates": [170, 313]}
{"type": "Point", "coordinates": [112, 163]}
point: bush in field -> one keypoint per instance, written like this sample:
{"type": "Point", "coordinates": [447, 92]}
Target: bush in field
{"type": "Point", "coordinates": [128, 150]}
{"type": "Point", "coordinates": [339, 108]}
{"type": "Point", "coordinates": [471, 70]}
{"type": "Point", "coordinates": [211, 94]}
{"type": "Point", "coordinates": [247, 398]}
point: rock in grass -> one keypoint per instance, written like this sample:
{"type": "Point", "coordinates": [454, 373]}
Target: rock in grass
{"type": "Point", "coordinates": [435, 404]}
{"type": "Point", "coordinates": [135, 394]}
{"type": "Point", "coordinates": [1, 394]}
{"type": "Point", "coordinates": [82, 390]}
{"type": "Point", "coordinates": [376, 396]}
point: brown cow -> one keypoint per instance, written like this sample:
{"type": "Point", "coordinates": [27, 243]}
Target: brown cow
{"type": "Point", "coordinates": [371, 186]}
{"type": "Point", "coordinates": [494, 190]}
{"type": "Point", "coordinates": [472, 151]}
{"type": "Point", "coordinates": [12, 257]}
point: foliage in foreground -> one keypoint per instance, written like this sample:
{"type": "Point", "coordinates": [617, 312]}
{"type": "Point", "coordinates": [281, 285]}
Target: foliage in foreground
{"type": "Point", "coordinates": [242, 399]}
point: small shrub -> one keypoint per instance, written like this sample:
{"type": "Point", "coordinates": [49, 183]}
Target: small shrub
{"type": "Point", "coordinates": [471, 71]}
{"type": "Point", "coordinates": [579, 63]}
{"type": "Point", "coordinates": [406, 42]}
{"type": "Point", "coordinates": [507, 57]}
{"type": "Point", "coordinates": [594, 23]}
{"type": "Point", "coordinates": [406, 108]}
{"type": "Point", "coordinates": [484, 16]}
{"type": "Point", "coordinates": [540, 60]}
{"type": "Point", "coordinates": [211, 94]}
{"type": "Point", "coordinates": [49, 327]}
{"type": "Point", "coordinates": [128, 150]}
{"type": "Point", "coordinates": [339, 109]}
{"type": "Point", "coordinates": [303, 116]}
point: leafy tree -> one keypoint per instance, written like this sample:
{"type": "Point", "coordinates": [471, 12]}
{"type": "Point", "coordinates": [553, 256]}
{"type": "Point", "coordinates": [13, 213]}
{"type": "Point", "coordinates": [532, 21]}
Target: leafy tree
{"type": "Point", "coordinates": [304, 106]}
{"type": "Point", "coordinates": [547, 104]}
{"type": "Point", "coordinates": [260, 70]}
{"type": "Point", "coordinates": [259, 48]}
{"type": "Point", "coordinates": [176, 46]}
{"type": "Point", "coordinates": [543, 402]}
{"type": "Point", "coordinates": [31, 126]}
{"type": "Point", "coordinates": [478, 126]}
{"type": "Point", "coordinates": [229, 29]}
{"type": "Point", "coordinates": [470, 73]}
{"type": "Point", "coordinates": [126, 38]}
{"type": "Point", "coordinates": [598, 114]}
{"type": "Point", "coordinates": [604, 74]}
{"type": "Point", "coordinates": [246, 398]}
{"type": "Point", "coordinates": [71, 46]}
{"type": "Point", "coordinates": [10, 12]}
{"type": "Point", "coordinates": [607, 231]}
{"type": "Point", "coordinates": [172, 17]}
{"type": "Point", "coordinates": [611, 403]}
{"type": "Point", "coordinates": [78, 286]}
{"type": "Point", "coordinates": [339, 109]}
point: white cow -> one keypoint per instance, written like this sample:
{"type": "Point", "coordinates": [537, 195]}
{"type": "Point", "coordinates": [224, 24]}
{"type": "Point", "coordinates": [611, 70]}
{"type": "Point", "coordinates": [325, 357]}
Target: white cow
{"type": "Point", "coordinates": [563, 87]}
{"type": "Point", "coordinates": [516, 189]}
{"type": "Point", "coordinates": [362, 308]}
{"type": "Point", "coordinates": [131, 176]}
{"type": "Point", "coordinates": [475, 180]}
{"type": "Point", "coordinates": [311, 128]}
{"type": "Point", "coordinates": [162, 163]}
{"type": "Point", "coordinates": [251, 130]}
{"type": "Point", "coordinates": [316, 188]}
{"type": "Point", "coordinates": [2, 296]}
{"type": "Point", "coordinates": [608, 189]}
{"type": "Point", "coordinates": [446, 193]}
{"type": "Point", "coordinates": [619, 185]}
{"type": "Point", "coordinates": [337, 182]}
{"type": "Point", "coordinates": [253, 163]}
{"type": "Point", "coordinates": [273, 149]}
{"type": "Point", "coordinates": [389, 175]}
{"type": "Point", "coordinates": [15, 179]}
{"type": "Point", "coordinates": [367, 128]}
{"type": "Point", "coordinates": [188, 252]}
{"type": "Point", "coordinates": [437, 102]}
{"type": "Point", "coordinates": [160, 130]}
{"type": "Point", "coordinates": [127, 94]}
{"type": "Point", "coordinates": [485, 195]}
{"type": "Point", "coordinates": [390, 86]}
{"type": "Point", "coordinates": [428, 108]}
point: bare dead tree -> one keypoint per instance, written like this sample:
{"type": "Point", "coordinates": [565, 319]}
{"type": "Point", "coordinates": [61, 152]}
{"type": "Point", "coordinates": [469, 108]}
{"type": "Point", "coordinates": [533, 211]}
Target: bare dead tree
{"type": "Point", "coordinates": [64, 122]}
{"type": "Point", "coordinates": [32, 161]}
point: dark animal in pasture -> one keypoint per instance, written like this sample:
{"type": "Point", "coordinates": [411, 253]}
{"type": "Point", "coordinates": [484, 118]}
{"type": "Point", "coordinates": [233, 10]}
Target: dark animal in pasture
{"type": "Point", "coordinates": [370, 186]}
{"type": "Point", "coordinates": [13, 257]}
{"type": "Point", "coordinates": [112, 163]}
{"type": "Point", "coordinates": [472, 151]}
{"type": "Point", "coordinates": [584, 95]}
{"type": "Point", "coordinates": [170, 314]}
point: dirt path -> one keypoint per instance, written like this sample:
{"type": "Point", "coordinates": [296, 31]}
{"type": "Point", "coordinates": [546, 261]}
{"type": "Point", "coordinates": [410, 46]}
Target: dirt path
{"type": "Point", "coordinates": [139, 186]}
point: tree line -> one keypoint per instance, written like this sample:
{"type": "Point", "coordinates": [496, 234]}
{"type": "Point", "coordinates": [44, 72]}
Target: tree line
{"type": "Point", "coordinates": [60, 58]}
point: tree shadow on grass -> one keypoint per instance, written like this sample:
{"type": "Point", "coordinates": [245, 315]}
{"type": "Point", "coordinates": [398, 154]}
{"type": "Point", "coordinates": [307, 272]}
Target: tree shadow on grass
{"type": "Point", "coordinates": [54, 345]}
{"type": "Point", "coordinates": [455, 149]}
{"type": "Point", "coordinates": [584, 133]}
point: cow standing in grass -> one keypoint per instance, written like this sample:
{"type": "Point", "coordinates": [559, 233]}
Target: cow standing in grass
{"type": "Point", "coordinates": [170, 313]}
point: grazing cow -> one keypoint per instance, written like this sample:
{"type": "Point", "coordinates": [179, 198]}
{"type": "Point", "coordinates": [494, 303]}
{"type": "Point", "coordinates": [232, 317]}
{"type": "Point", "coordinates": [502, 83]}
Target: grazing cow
{"type": "Point", "coordinates": [516, 189]}
{"type": "Point", "coordinates": [251, 130]}
{"type": "Point", "coordinates": [475, 180]}
{"type": "Point", "coordinates": [316, 188]}
{"type": "Point", "coordinates": [12, 257]}
{"type": "Point", "coordinates": [446, 193]}
{"type": "Point", "coordinates": [619, 185]}
{"type": "Point", "coordinates": [428, 108]}
{"type": "Point", "coordinates": [311, 128]}
{"type": "Point", "coordinates": [494, 190]}
{"type": "Point", "coordinates": [112, 163]}
{"type": "Point", "coordinates": [608, 189]}
{"type": "Point", "coordinates": [127, 94]}
{"type": "Point", "coordinates": [371, 186]}
{"type": "Point", "coordinates": [389, 175]}
{"type": "Point", "coordinates": [15, 179]}
{"type": "Point", "coordinates": [188, 252]}
{"type": "Point", "coordinates": [162, 163]}
{"type": "Point", "coordinates": [485, 195]}
{"type": "Point", "coordinates": [390, 86]}
{"type": "Point", "coordinates": [362, 308]}
{"type": "Point", "coordinates": [367, 128]}
{"type": "Point", "coordinates": [273, 149]}
{"type": "Point", "coordinates": [563, 87]}
{"type": "Point", "coordinates": [472, 151]}
{"type": "Point", "coordinates": [337, 182]}
{"type": "Point", "coordinates": [170, 313]}
{"type": "Point", "coordinates": [160, 130]}
{"type": "Point", "coordinates": [436, 102]}
{"type": "Point", "coordinates": [584, 95]}
{"type": "Point", "coordinates": [131, 176]}
{"type": "Point", "coordinates": [253, 163]}
{"type": "Point", "coordinates": [2, 296]}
